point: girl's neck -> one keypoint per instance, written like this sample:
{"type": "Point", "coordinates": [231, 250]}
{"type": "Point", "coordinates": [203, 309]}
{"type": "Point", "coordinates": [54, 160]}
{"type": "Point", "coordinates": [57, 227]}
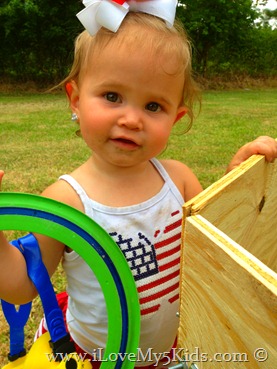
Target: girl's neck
{"type": "Point", "coordinates": [118, 172]}
{"type": "Point", "coordinates": [122, 186]}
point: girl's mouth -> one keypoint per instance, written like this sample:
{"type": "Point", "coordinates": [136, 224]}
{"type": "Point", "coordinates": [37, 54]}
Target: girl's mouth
{"type": "Point", "coordinates": [125, 143]}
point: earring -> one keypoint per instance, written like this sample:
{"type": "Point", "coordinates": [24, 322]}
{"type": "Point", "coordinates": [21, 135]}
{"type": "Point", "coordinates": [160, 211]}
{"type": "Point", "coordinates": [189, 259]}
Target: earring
{"type": "Point", "coordinates": [74, 117]}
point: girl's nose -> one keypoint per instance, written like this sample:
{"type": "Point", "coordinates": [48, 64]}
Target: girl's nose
{"type": "Point", "coordinates": [131, 119]}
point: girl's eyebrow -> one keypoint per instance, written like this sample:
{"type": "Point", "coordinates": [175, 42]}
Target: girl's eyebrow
{"type": "Point", "coordinates": [110, 83]}
{"type": "Point", "coordinates": [163, 100]}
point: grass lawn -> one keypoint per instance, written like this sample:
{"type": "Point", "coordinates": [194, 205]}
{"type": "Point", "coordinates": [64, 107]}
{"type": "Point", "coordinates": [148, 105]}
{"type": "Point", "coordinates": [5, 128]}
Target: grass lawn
{"type": "Point", "coordinates": [38, 144]}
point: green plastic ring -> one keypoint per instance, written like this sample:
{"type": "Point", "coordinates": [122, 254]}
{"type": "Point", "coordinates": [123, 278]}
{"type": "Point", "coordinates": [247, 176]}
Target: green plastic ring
{"type": "Point", "coordinates": [32, 213]}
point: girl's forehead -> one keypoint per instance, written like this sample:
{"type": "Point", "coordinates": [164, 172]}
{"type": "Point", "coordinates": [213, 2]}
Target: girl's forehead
{"type": "Point", "coordinates": [146, 50]}
{"type": "Point", "coordinates": [134, 58]}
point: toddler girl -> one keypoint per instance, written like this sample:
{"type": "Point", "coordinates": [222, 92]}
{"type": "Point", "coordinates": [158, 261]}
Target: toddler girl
{"type": "Point", "coordinates": [127, 90]}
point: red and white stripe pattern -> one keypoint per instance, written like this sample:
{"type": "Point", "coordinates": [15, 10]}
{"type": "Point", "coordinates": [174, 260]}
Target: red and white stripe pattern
{"type": "Point", "coordinates": [155, 267]}
{"type": "Point", "coordinates": [168, 258]}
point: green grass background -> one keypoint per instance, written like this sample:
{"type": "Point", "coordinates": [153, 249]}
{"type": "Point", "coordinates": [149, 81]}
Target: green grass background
{"type": "Point", "coordinates": [38, 143]}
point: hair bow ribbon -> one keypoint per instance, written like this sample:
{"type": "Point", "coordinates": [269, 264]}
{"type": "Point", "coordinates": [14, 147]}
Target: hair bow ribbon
{"type": "Point", "coordinates": [110, 13]}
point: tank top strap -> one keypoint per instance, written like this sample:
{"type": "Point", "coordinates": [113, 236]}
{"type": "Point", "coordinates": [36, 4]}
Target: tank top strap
{"type": "Point", "coordinates": [160, 168]}
{"type": "Point", "coordinates": [80, 192]}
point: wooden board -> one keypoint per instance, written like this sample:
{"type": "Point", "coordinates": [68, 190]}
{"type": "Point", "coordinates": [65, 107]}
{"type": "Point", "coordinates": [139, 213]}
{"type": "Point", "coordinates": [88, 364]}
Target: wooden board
{"type": "Point", "coordinates": [243, 204]}
{"type": "Point", "coordinates": [228, 312]}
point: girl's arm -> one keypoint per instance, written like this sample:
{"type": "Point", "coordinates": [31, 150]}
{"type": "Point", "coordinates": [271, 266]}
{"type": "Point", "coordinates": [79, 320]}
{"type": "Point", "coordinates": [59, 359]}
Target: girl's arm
{"type": "Point", "coordinates": [14, 281]}
{"type": "Point", "coordinates": [15, 285]}
{"type": "Point", "coordinates": [263, 145]}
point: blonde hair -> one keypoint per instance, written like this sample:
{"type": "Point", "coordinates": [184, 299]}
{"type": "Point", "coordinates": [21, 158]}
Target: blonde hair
{"type": "Point", "coordinates": [153, 35]}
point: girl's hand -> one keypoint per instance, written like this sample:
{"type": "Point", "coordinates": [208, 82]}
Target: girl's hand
{"type": "Point", "coordinates": [263, 145]}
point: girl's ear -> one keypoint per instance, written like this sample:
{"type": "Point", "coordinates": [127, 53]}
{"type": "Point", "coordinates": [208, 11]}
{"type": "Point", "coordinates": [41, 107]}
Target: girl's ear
{"type": "Point", "coordinates": [182, 111]}
{"type": "Point", "coordinates": [68, 89]}
{"type": "Point", "coordinates": [72, 92]}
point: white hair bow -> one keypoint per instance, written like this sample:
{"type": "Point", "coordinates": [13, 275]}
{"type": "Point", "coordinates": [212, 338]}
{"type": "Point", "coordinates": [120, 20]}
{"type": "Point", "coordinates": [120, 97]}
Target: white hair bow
{"type": "Point", "coordinates": [110, 13]}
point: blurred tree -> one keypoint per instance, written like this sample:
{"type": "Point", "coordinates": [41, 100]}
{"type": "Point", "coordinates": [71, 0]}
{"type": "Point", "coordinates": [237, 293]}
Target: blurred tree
{"type": "Point", "coordinates": [228, 37]}
{"type": "Point", "coordinates": [37, 37]}
{"type": "Point", "coordinates": [208, 23]}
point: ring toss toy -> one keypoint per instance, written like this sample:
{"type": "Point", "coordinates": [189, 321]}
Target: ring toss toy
{"type": "Point", "coordinates": [33, 213]}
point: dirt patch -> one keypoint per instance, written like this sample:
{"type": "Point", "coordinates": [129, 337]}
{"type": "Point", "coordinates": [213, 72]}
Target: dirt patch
{"type": "Point", "coordinates": [236, 83]}
{"type": "Point", "coordinates": [28, 87]}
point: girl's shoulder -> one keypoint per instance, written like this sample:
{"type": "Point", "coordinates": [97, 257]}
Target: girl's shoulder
{"type": "Point", "coordinates": [183, 177]}
{"type": "Point", "coordinates": [63, 192]}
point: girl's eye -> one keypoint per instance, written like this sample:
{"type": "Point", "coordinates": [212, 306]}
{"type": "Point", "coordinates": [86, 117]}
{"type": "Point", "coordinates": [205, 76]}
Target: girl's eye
{"type": "Point", "coordinates": [153, 106]}
{"type": "Point", "coordinates": [112, 97]}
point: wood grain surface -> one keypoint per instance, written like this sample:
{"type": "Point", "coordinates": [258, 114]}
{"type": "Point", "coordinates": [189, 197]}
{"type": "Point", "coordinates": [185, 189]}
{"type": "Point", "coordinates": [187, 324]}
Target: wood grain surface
{"type": "Point", "coordinates": [228, 312]}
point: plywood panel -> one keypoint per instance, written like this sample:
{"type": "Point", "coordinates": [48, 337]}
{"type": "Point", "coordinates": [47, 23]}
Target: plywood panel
{"type": "Point", "coordinates": [243, 204]}
{"type": "Point", "coordinates": [228, 312]}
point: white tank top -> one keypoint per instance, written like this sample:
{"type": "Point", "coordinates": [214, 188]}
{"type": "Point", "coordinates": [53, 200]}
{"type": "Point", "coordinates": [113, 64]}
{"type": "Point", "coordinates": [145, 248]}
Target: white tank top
{"type": "Point", "coordinates": [149, 235]}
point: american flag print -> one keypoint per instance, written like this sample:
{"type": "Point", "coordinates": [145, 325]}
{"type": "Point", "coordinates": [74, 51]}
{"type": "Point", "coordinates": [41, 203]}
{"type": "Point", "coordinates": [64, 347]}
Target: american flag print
{"type": "Point", "coordinates": [155, 265]}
